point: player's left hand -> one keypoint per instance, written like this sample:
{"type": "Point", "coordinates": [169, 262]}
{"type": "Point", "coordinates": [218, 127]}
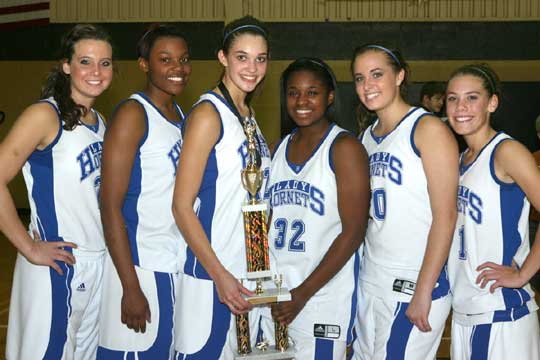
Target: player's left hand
{"type": "Point", "coordinates": [503, 276]}
{"type": "Point", "coordinates": [418, 311]}
{"type": "Point", "coordinates": [285, 312]}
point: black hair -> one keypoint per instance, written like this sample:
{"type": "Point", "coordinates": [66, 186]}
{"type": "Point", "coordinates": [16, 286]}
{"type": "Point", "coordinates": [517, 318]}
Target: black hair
{"type": "Point", "coordinates": [490, 80]}
{"type": "Point", "coordinates": [153, 33]}
{"type": "Point", "coordinates": [432, 88]}
{"type": "Point", "coordinates": [244, 25]}
{"type": "Point", "coordinates": [324, 73]}
{"type": "Point", "coordinates": [396, 61]}
{"type": "Point", "coordinates": [58, 84]}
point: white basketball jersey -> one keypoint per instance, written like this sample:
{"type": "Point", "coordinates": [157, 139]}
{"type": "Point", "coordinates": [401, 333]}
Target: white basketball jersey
{"type": "Point", "coordinates": [400, 213]}
{"type": "Point", "coordinates": [63, 183]}
{"type": "Point", "coordinates": [305, 223]}
{"type": "Point", "coordinates": [221, 195]}
{"type": "Point", "coordinates": [154, 238]}
{"type": "Point", "coordinates": [492, 226]}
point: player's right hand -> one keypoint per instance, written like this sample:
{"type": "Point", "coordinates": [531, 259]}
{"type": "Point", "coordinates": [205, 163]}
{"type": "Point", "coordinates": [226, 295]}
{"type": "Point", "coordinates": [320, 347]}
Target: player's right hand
{"type": "Point", "coordinates": [49, 252]}
{"type": "Point", "coordinates": [230, 293]}
{"type": "Point", "coordinates": [135, 310]}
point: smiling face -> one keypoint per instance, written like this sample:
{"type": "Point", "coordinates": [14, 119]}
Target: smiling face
{"type": "Point", "coordinates": [376, 82]}
{"type": "Point", "coordinates": [307, 98]}
{"type": "Point", "coordinates": [90, 70]}
{"type": "Point", "coordinates": [433, 103]}
{"type": "Point", "coordinates": [245, 62]}
{"type": "Point", "coordinates": [468, 104]}
{"type": "Point", "coordinates": [168, 66]}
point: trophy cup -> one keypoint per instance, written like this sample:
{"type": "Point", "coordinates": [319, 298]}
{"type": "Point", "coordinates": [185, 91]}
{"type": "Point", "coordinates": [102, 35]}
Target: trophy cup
{"type": "Point", "coordinates": [258, 262]}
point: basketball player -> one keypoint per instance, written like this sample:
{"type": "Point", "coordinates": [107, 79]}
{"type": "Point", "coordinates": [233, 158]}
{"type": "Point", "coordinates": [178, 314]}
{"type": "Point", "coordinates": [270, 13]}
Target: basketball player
{"type": "Point", "coordinates": [319, 193]}
{"type": "Point", "coordinates": [403, 289]}
{"type": "Point", "coordinates": [57, 142]}
{"type": "Point", "coordinates": [490, 264]}
{"type": "Point", "coordinates": [208, 197]}
{"type": "Point", "coordinates": [140, 154]}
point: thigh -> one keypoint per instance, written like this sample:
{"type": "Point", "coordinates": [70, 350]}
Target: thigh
{"type": "Point", "coordinates": [115, 339]}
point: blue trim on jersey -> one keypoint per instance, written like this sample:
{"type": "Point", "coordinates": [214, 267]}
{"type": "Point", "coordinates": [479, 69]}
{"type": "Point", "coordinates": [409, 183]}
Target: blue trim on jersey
{"type": "Point", "coordinates": [162, 346]}
{"type": "Point", "coordinates": [176, 124]}
{"type": "Point", "coordinates": [129, 209]}
{"type": "Point", "coordinates": [92, 128]}
{"type": "Point", "coordinates": [443, 284]}
{"type": "Point", "coordinates": [296, 168]}
{"type": "Point", "coordinates": [324, 349]}
{"type": "Point", "coordinates": [511, 314]}
{"type": "Point", "coordinates": [221, 129]}
{"type": "Point", "coordinates": [350, 330]}
{"type": "Point", "coordinates": [331, 150]}
{"type": "Point", "coordinates": [399, 333]}
{"type": "Point", "coordinates": [380, 139]}
{"type": "Point", "coordinates": [413, 129]}
{"type": "Point", "coordinates": [463, 168]}
{"type": "Point", "coordinates": [61, 310]}
{"type": "Point", "coordinates": [221, 322]}
{"type": "Point", "coordinates": [60, 128]}
{"type": "Point", "coordinates": [492, 166]}
{"type": "Point", "coordinates": [276, 148]}
{"type": "Point", "coordinates": [480, 341]}
{"type": "Point", "coordinates": [207, 196]}
{"type": "Point", "coordinates": [512, 200]}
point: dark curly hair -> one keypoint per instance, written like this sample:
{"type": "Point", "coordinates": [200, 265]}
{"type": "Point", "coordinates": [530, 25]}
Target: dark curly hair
{"type": "Point", "coordinates": [58, 85]}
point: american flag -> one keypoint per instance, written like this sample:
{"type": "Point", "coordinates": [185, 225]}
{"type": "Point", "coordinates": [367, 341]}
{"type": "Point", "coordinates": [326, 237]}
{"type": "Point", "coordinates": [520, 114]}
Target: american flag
{"type": "Point", "coordinates": [19, 13]}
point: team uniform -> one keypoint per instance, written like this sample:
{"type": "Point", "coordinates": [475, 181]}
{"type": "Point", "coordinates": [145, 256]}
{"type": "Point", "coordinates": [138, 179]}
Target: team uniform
{"type": "Point", "coordinates": [492, 226]}
{"type": "Point", "coordinates": [205, 326]}
{"type": "Point", "coordinates": [154, 240]}
{"type": "Point", "coordinates": [56, 316]}
{"type": "Point", "coordinates": [396, 239]}
{"type": "Point", "coordinates": [305, 223]}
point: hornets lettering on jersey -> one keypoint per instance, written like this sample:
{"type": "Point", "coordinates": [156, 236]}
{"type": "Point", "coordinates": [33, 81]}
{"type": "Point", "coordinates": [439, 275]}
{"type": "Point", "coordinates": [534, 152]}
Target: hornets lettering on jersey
{"type": "Point", "coordinates": [90, 159]}
{"type": "Point", "coordinates": [470, 204]}
{"type": "Point", "coordinates": [385, 165]}
{"type": "Point", "coordinates": [174, 155]}
{"type": "Point", "coordinates": [294, 192]}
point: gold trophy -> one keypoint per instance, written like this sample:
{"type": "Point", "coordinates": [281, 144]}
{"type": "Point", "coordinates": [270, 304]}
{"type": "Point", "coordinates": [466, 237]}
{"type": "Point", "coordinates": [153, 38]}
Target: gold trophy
{"type": "Point", "coordinates": [258, 262]}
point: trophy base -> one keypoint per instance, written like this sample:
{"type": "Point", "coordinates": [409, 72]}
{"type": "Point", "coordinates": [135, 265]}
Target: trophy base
{"type": "Point", "coordinates": [270, 296]}
{"type": "Point", "coordinates": [268, 354]}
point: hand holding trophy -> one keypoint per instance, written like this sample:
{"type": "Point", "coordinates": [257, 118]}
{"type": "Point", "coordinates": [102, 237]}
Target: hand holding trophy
{"type": "Point", "coordinates": [258, 260]}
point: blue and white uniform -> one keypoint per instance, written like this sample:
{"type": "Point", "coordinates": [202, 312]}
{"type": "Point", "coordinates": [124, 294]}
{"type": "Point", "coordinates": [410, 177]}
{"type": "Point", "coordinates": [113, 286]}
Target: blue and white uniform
{"type": "Point", "coordinates": [154, 240]}
{"type": "Point", "coordinates": [305, 223]}
{"type": "Point", "coordinates": [492, 226]}
{"type": "Point", "coordinates": [205, 327]}
{"type": "Point", "coordinates": [53, 316]}
{"type": "Point", "coordinates": [396, 240]}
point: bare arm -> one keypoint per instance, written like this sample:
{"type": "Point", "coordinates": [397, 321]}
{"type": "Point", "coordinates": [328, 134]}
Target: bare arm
{"type": "Point", "coordinates": [514, 163]}
{"type": "Point", "coordinates": [201, 134]}
{"type": "Point", "coordinates": [439, 153]}
{"type": "Point", "coordinates": [352, 181]}
{"type": "Point", "coordinates": [35, 128]}
{"type": "Point", "coordinates": [124, 133]}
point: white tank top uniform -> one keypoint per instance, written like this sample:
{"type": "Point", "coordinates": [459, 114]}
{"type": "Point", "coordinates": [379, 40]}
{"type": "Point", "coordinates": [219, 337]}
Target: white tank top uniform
{"type": "Point", "coordinates": [492, 226]}
{"type": "Point", "coordinates": [394, 248]}
{"type": "Point", "coordinates": [305, 223]}
{"type": "Point", "coordinates": [154, 240]}
{"type": "Point", "coordinates": [52, 316]}
{"type": "Point", "coordinates": [218, 207]}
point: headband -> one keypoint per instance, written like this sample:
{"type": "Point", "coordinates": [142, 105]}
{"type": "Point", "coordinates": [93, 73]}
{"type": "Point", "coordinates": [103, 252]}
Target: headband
{"type": "Point", "coordinates": [486, 76]}
{"type": "Point", "coordinates": [247, 26]}
{"type": "Point", "coordinates": [386, 51]}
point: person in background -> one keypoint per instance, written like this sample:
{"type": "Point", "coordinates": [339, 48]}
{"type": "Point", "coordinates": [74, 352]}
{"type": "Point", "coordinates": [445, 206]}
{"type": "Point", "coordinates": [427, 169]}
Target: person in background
{"type": "Point", "coordinates": [432, 97]}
